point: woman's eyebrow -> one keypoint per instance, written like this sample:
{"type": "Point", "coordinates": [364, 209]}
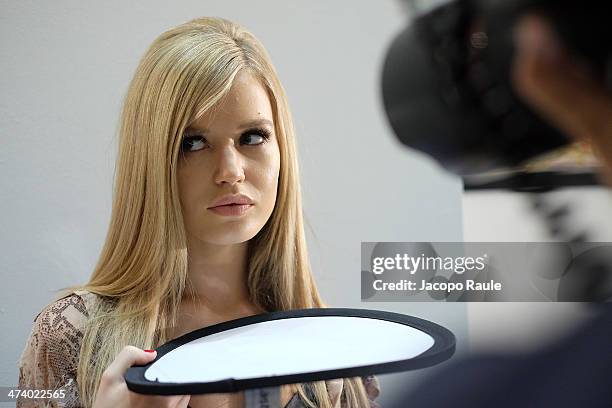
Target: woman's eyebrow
{"type": "Point", "coordinates": [245, 125]}
{"type": "Point", "coordinates": [193, 127]}
{"type": "Point", "coordinates": [256, 122]}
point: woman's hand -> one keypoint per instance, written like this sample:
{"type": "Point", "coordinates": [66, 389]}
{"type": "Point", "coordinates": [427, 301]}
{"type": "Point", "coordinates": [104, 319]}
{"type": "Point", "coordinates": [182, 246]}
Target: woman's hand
{"type": "Point", "coordinates": [114, 393]}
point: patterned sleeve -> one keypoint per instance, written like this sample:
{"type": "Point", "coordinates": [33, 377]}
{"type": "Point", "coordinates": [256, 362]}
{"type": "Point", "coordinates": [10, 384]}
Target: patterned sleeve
{"type": "Point", "coordinates": [372, 387]}
{"type": "Point", "coordinates": [50, 358]}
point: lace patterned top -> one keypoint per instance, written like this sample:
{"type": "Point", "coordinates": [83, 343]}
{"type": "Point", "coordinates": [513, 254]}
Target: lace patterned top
{"type": "Point", "coordinates": [50, 358]}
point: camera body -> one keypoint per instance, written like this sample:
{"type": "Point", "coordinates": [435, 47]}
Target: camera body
{"type": "Point", "coordinates": [447, 84]}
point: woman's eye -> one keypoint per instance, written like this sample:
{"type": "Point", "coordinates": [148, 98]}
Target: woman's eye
{"type": "Point", "coordinates": [193, 143]}
{"type": "Point", "coordinates": [253, 139]}
{"type": "Point", "coordinates": [250, 138]}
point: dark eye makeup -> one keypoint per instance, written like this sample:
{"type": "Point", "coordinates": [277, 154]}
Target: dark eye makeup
{"type": "Point", "coordinates": [193, 142]}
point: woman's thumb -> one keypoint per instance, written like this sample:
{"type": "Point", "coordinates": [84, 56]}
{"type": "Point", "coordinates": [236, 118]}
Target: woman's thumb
{"type": "Point", "coordinates": [128, 357]}
{"type": "Point", "coordinates": [141, 357]}
{"type": "Point", "coordinates": [144, 357]}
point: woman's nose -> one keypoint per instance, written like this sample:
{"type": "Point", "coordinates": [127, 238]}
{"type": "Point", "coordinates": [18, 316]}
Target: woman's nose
{"type": "Point", "coordinates": [230, 169]}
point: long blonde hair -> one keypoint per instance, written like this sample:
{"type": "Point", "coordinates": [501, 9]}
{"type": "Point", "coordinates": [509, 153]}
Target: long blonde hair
{"type": "Point", "coordinates": [141, 275]}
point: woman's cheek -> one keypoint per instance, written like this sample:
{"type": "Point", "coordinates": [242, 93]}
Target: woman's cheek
{"type": "Point", "coordinates": [268, 185]}
{"type": "Point", "coordinates": [267, 171]}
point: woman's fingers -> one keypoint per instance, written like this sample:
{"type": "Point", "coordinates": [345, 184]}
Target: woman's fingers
{"type": "Point", "coordinates": [157, 401]}
{"type": "Point", "coordinates": [183, 402]}
{"type": "Point", "coordinates": [114, 393]}
{"type": "Point", "coordinates": [126, 358]}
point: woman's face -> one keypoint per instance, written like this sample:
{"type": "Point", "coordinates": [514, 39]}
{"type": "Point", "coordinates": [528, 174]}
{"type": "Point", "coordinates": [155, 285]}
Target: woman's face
{"type": "Point", "coordinates": [230, 150]}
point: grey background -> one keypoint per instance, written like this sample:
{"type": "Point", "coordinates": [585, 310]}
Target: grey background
{"type": "Point", "coordinates": [66, 66]}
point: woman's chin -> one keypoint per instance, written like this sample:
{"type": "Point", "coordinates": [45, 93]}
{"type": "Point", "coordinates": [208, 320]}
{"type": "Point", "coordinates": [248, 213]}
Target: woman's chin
{"type": "Point", "coordinates": [229, 238]}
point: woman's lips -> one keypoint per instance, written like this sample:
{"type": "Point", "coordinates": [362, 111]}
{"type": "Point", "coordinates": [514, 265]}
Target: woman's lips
{"type": "Point", "coordinates": [231, 209]}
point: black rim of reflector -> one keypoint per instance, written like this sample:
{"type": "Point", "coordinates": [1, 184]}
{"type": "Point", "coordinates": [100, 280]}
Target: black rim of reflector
{"type": "Point", "coordinates": [442, 349]}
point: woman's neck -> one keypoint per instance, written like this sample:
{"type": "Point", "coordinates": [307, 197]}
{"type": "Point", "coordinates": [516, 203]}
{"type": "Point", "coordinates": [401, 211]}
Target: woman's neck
{"type": "Point", "coordinates": [218, 275]}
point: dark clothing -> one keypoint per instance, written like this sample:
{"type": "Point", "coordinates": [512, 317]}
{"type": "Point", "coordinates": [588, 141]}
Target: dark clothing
{"type": "Point", "coordinates": [575, 372]}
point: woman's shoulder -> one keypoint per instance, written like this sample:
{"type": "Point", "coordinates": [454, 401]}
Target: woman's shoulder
{"type": "Point", "coordinates": [51, 354]}
{"type": "Point", "coordinates": [58, 327]}
{"type": "Point", "coordinates": [67, 312]}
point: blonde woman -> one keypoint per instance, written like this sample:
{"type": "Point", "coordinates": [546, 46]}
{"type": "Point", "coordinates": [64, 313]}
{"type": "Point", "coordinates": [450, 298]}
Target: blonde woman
{"type": "Point", "coordinates": [206, 226]}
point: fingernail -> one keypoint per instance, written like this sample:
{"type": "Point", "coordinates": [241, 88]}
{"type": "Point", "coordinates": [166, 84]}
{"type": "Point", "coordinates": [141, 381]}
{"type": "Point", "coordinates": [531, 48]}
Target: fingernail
{"type": "Point", "coordinates": [150, 351]}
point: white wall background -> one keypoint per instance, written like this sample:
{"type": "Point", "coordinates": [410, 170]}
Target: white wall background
{"type": "Point", "coordinates": [66, 66]}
